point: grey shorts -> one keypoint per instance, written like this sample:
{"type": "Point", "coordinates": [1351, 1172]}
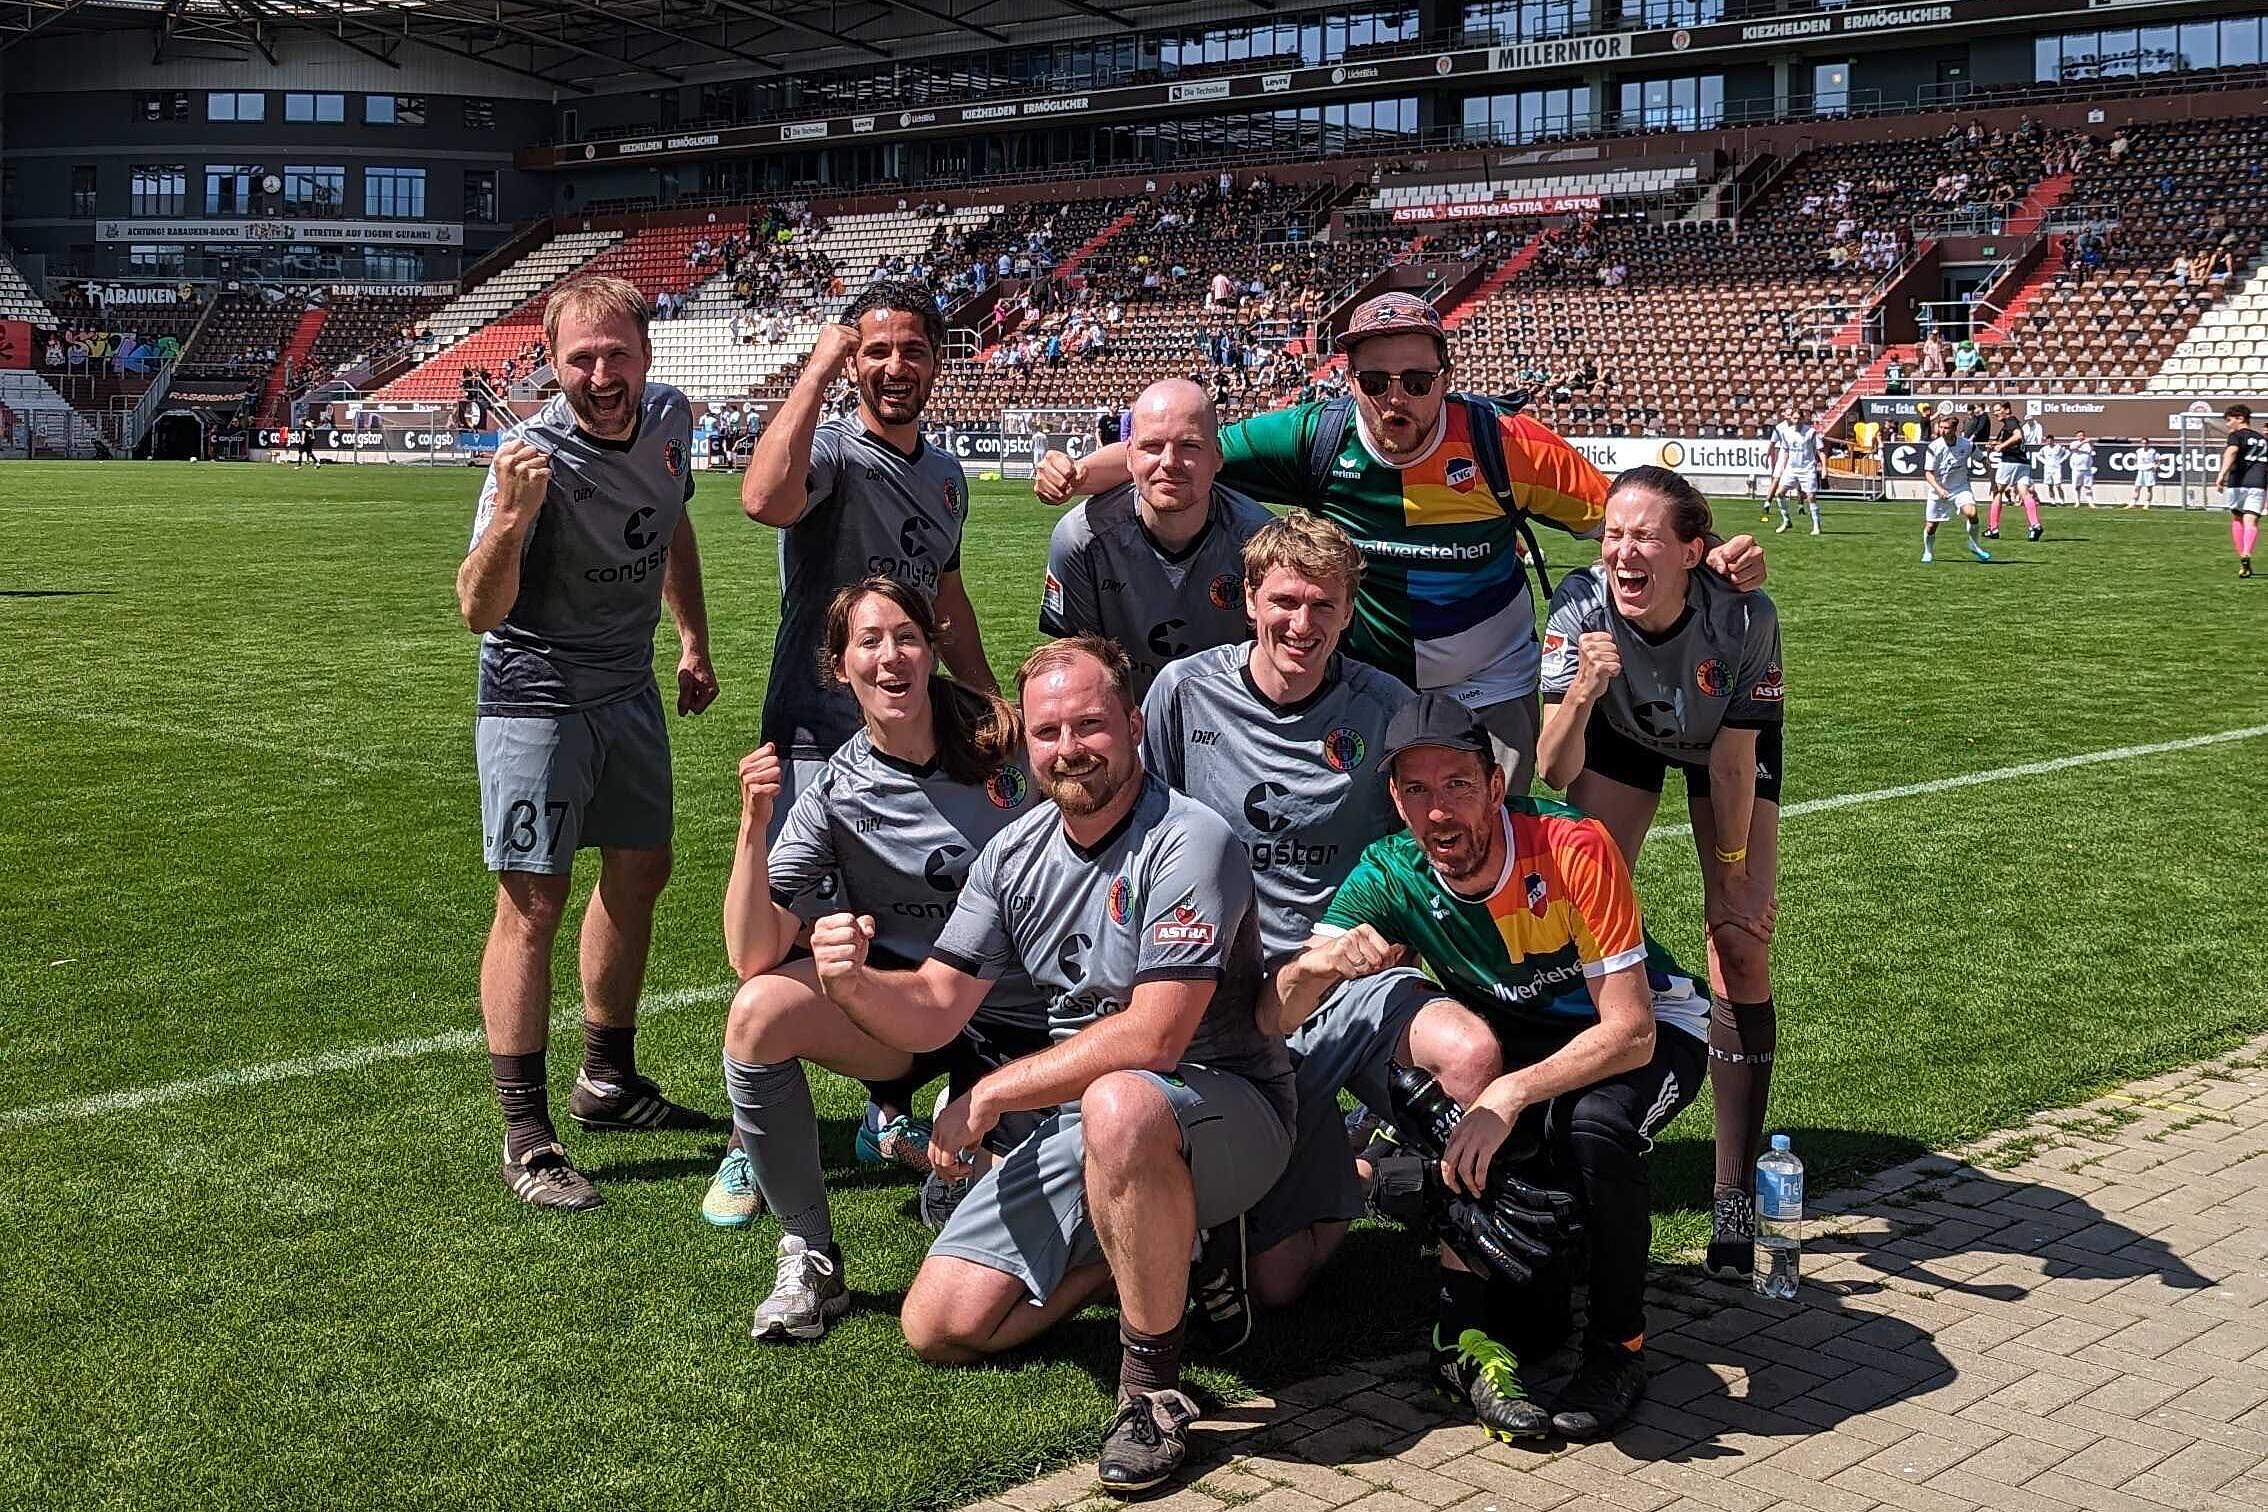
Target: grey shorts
{"type": "Point", "coordinates": [1346, 1045]}
{"type": "Point", "coordinates": [551, 785]}
{"type": "Point", "coordinates": [1514, 725]}
{"type": "Point", "coordinates": [1027, 1215]}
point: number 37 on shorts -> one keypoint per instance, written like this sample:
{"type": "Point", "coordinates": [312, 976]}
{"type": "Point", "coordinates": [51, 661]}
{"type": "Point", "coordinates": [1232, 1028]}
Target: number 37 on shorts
{"type": "Point", "coordinates": [550, 785]}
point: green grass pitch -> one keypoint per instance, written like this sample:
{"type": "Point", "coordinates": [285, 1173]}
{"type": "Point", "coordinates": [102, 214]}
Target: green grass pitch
{"type": "Point", "coordinates": [240, 828]}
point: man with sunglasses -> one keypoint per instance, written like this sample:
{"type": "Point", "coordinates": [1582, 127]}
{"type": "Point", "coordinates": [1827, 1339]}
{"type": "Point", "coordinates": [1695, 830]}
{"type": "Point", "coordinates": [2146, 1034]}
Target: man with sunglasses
{"type": "Point", "coordinates": [1444, 603]}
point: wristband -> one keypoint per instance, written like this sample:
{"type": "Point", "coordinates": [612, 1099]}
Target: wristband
{"type": "Point", "coordinates": [1731, 857]}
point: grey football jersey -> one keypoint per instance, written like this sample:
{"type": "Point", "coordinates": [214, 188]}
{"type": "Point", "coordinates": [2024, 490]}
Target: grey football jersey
{"type": "Point", "coordinates": [1719, 666]}
{"type": "Point", "coordinates": [1166, 896]}
{"type": "Point", "coordinates": [877, 836]}
{"type": "Point", "coordinates": [870, 511]}
{"type": "Point", "coordinates": [1299, 784]}
{"type": "Point", "coordinates": [581, 633]}
{"type": "Point", "coordinates": [1106, 575]}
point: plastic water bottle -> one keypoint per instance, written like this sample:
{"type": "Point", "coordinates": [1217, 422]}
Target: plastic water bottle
{"type": "Point", "coordinates": [1779, 1220]}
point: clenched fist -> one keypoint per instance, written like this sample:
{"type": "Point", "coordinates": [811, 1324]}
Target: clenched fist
{"type": "Point", "coordinates": [760, 780]}
{"type": "Point", "coordinates": [1599, 662]}
{"type": "Point", "coordinates": [1361, 952]}
{"type": "Point", "coordinates": [836, 343]}
{"type": "Point", "coordinates": [838, 947]}
{"type": "Point", "coordinates": [1056, 478]}
{"type": "Point", "coordinates": [523, 474]}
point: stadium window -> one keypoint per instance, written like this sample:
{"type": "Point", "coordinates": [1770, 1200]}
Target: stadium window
{"type": "Point", "coordinates": [480, 115]}
{"type": "Point", "coordinates": [393, 193]}
{"type": "Point", "coordinates": [324, 109]}
{"type": "Point", "coordinates": [166, 105]}
{"type": "Point", "coordinates": [2200, 46]}
{"type": "Point", "coordinates": [226, 106]}
{"type": "Point", "coordinates": [155, 258]}
{"type": "Point", "coordinates": [480, 195]}
{"type": "Point", "coordinates": [1831, 89]}
{"type": "Point", "coordinates": [158, 188]}
{"type": "Point", "coordinates": [2240, 42]}
{"type": "Point", "coordinates": [228, 188]}
{"type": "Point", "coordinates": [316, 189]}
{"type": "Point", "coordinates": [82, 191]}
{"type": "Point", "coordinates": [2117, 53]}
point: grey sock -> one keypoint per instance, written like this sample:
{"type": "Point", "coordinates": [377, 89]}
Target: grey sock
{"type": "Point", "coordinates": [771, 1109]}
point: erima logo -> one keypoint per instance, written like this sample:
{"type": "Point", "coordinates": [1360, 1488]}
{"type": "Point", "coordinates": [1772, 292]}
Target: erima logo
{"type": "Point", "coordinates": [1260, 811]}
{"type": "Point", "coordinates": [937, 871]}
{"type": "Point", "coordinates": [1070, 961]}
{"type": "Point", "coordinates": [634, 534]}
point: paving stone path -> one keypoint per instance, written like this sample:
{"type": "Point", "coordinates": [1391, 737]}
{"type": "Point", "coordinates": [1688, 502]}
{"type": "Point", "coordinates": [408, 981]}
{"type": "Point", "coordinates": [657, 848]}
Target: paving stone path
{"type": "Point", "coordinates": [2068, 1317]}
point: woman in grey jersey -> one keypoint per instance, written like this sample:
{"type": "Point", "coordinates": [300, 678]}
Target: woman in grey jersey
{"type": "Point", "coordinates": [889, 828]}
{"type": "Point", "coordinates": [1650, 663]}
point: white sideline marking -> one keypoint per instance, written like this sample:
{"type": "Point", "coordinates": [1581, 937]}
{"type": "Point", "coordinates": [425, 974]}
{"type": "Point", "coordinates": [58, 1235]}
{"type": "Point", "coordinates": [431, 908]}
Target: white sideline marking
{"type": "Point", "coordinates": [351, 1059]}
{"type": "Point", "coordinates": [466, 1039]}
{"type": "Point", "coordinates": [1998, 774]}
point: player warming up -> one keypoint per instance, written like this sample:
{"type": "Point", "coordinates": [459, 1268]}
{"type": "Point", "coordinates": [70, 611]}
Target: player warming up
{"type": "Point", "coordinates": [1169, 544]}
{"type": "Point", "coordinates": [889, 828]}
{"type": "Point", "coordinates": [852, 497]}
{"type": "Point", "coordinates": [1650, 664]}
{"type": "Point", "coordinates": [2244, 476]}
{"type": "Point", "coordinates": [1165, 1109]}
{"type": "Point", "coordinates": [1522, 910]}
{"type": "Point", "coordinates": [2011, 448]}
{"type": "Point", "coordinates": [2083, 470]}
{"type": "Point", "coordinates": [580, 539]}
{"type": "Point", "coordinates": [1946, 471]}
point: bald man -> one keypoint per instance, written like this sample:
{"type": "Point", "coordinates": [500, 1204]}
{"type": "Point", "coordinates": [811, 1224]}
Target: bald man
{"type": "Point", "coordinates": [1156, 564]}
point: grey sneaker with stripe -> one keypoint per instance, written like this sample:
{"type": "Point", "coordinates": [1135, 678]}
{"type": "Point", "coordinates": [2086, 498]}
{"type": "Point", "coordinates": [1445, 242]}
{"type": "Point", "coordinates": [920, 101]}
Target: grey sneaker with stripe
{"type": "Point", "coordinates": [544, 1177]}
{"type": "Point", "coordinates": [632, 1106]}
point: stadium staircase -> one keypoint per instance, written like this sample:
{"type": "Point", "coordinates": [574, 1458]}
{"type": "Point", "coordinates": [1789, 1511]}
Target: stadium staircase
{"type": "Point", "coordinates": [292, 359]}
{"type": "Point", "coordinates": [2227, 348]}
{"type": "Point", "coordinates": [2032, 214]}
{"type": "Point", "coordinates": [2001, 329]}
{"type": "Point", "coordinates": [651, 261]}
{"type": "Point", "coordinates": [1095, 243]}
{"type": "Point", "coordinates": [1481, 292]}
{"type": "Point", "coordinates": [18, 302]}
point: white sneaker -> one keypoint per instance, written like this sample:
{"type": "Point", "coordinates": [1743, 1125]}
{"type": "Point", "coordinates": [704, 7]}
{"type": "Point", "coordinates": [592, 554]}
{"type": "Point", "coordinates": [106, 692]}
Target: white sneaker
{"type": "Point", "coordinates": [1781, 528]}
{"type": "Point", "coordinates": [1815, 530]}
{"type": "Point", "coordinates": [807, 1294]}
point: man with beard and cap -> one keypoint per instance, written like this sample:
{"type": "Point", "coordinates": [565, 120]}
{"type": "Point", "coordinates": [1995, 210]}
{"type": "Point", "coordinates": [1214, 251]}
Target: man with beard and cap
{"type": "Point", "coordinates": [1166, 1108]}
{"type": "Point", "coordinates": [1436, 489]}
{"type": "Point", "coordinates": [1156, 564]}
{"type": "Point", "coordinates": [580, 539]}
{"type": "Point", "coordinates": [860, 496]}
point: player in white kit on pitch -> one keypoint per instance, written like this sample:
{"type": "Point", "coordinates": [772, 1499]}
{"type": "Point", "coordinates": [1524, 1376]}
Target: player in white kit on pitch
{"type": "Point", "coordinates": [1798, 446]}
{"type": "Point", "coordinates": [2083, 470]}
{"type": "Point", "coordinates": [1946, 473]}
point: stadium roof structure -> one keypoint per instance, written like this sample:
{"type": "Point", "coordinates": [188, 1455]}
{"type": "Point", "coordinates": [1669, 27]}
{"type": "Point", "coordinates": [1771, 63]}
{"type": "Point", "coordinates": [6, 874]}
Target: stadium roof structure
{"type": "Point", "coordinates": [583, 46]}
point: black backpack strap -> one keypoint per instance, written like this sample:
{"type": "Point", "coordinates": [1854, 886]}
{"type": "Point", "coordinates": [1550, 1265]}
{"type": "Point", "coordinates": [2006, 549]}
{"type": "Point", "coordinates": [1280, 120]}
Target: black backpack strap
{"type": "Point", "coordinates": [1331, 422]}
{"type": "Point", "coordinates": [1481, 416]}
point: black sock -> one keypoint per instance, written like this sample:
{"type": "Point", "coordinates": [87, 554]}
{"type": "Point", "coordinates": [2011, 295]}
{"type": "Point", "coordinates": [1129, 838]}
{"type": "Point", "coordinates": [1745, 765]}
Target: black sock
{"type": "Point", "coordinates": [1462, 1304]}
{"type": "Point", "coordinates": [1148, 1362]}
{"type": "Point", "coordinates": [898, 1095]}
{"type": "Point", "coordinates": [521, 1088]}
{"type": "Point", "coordinates": [1743, 1037]}
{"type": "Point", "coordinates": [610, 1052]}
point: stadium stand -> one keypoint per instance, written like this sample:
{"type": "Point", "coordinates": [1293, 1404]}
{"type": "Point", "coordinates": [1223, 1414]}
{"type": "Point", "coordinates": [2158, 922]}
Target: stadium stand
{"type": "Point", "coordinates": [514, 285]}
{"type": "Point", "coordinates": [359, 326]}
{"type": "Point", "coordinates": [18, 302]}
{"type": "Point", "coordinates": [2226, 349]}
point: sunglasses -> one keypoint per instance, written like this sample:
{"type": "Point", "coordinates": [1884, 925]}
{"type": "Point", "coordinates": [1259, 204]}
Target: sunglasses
{"type": "Point", "coordinates": [1415, 382]}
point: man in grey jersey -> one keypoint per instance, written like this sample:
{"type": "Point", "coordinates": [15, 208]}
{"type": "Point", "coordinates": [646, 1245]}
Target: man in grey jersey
{"type": "Point", "coordinates": [1168, 1108]}
{"type": "Point", "coordinates": [1156, 564]}
{"type": "Point", "coordinates": [581, 537]}
{"type": "Point", "coordinates": [861, 495]}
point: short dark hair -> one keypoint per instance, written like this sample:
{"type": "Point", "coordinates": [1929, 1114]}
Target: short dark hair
{"type": "Point", "coordinates": [902, 296]}
{"type": "Point", "coordinates": [1689, 506]}
{"type": "Point", "coordinates": [2237, 412]}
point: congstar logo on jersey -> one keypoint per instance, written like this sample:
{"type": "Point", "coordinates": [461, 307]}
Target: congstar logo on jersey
{"type": "Point", "coordinates": [940, 872]}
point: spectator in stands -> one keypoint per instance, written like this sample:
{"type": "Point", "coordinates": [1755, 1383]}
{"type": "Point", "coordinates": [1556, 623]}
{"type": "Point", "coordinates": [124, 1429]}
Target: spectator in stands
{"type": "Point", "coordinates": [1968, 359]}
{"type": "Point", "coordinates": [1933, 355]}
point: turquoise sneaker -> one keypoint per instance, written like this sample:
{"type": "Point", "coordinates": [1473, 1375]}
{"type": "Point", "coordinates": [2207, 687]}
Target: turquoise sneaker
{"type": "Point", "coordinates": [732, 1200]}
{"type": "Point", "coordinates": [903, 1141]}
